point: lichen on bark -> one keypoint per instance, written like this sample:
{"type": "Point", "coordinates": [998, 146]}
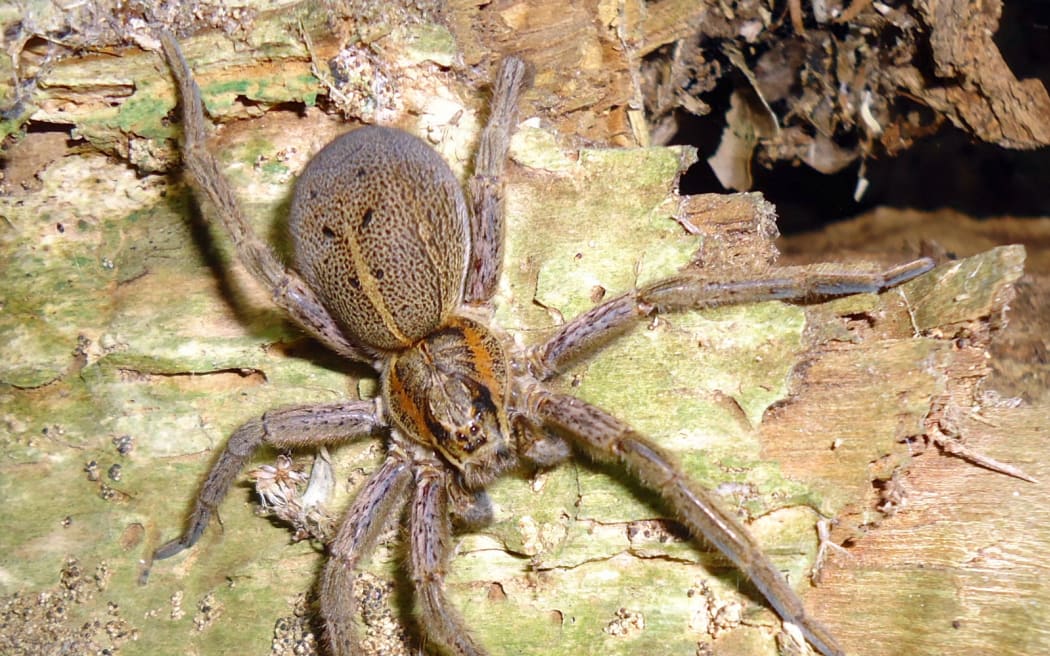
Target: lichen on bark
{"type": "Point", "coordinates": [125, 315]}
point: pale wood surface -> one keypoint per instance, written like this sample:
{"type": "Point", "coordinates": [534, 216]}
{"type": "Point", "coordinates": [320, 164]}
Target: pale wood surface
{"type": "Point", "coordinates": [178, 349]}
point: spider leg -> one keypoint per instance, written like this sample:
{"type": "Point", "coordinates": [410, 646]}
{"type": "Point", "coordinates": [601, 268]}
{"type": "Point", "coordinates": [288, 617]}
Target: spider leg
{"type": "Point", "coordinates": [536, 444]}
{"type": "Point", "coordinates": [605, 437]}
{"type": "Point", "coordinates": [383, 495]}
{"type": "Point", "coordinates": [486, 186]}
{"type": "Point", "coordinates": [429, 546]}
{"type": "Point", "coordinates": [284, 428]}
{"type": "Point", "coordinates": [689, 291]}
{"type": "Point", "coordinates": [288, 290]}
{"type": "Point", "coordinates": [470, 510]}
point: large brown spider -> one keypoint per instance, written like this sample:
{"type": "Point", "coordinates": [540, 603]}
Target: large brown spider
{"type": "Point", "coordinates": [395, 268]}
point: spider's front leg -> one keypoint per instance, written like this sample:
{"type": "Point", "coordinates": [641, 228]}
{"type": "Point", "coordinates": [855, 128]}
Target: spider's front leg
{"type": "Point", "coordinates": [689, 291]}
{"type": "Point", "coordinates": [382, 496]}
{"type": "Point", "coordinates": [430, 544]}
{"type": "Point", "coordinates": [287, 428]}
{"type": "Point", "coordinates": [605, 437]}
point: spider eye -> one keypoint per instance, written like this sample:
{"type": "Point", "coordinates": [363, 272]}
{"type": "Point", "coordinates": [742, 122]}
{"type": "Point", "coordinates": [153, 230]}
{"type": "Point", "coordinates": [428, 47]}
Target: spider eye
{"type": "Point", "coordinates": [474, 429]}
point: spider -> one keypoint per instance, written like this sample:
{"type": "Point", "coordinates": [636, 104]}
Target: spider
{"type": "Point", "coordinates": [395, 266]}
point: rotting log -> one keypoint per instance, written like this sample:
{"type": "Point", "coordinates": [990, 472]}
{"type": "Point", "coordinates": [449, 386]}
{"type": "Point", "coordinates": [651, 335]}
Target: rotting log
{"type": "Point", "coordinates": [123, 315]}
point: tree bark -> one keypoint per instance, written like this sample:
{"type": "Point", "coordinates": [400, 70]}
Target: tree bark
{"type": "Point", "coordinates": [126, 321]}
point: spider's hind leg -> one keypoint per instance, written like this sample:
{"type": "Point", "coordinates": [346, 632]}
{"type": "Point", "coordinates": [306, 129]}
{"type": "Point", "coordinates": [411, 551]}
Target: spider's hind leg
{"type": "Point", "coordinates": [287, 289]}
{"type": "Point", "coordinates": [486, 185]}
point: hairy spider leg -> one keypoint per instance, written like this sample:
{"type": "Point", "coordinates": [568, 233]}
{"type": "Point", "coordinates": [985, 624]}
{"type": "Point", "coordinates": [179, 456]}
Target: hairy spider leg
{"type": "Point", "coordinates": [604, 437]}
{"type": "Point", "coordinates": [287, 428]}
{"type": "Point", "coordinates": [382, 496]}
{"type": "Point", "coordinates": [687, 291]}
{"type": "Point", "coordinates": [430, 545]}
{"type": "Point", "coordinates": [287, 289]}
{"type": "Point", "coordinates": [485, 188]}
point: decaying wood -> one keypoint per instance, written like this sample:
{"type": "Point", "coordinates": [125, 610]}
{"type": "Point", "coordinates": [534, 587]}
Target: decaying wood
{"type": "Point", "coordinates": [960, 539]}
{"type": "Point", "coordinates": [985, 98]}
{"type": "Point", "coordinates": [125, 317]}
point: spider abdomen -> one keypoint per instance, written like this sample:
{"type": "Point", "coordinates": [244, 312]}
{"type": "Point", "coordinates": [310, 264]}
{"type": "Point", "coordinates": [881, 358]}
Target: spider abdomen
{"type": "Point", "coordinates": [381, 233]}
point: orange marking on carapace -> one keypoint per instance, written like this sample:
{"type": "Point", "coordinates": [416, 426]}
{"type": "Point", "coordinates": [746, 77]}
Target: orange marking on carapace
{"type": "Point", "coordinates": [480, 355]}
{"type": "Point", "coordinates": [410, 409]}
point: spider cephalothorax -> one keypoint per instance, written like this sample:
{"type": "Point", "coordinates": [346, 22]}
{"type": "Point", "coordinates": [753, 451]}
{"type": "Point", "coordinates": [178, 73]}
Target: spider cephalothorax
{"type": "Point", "coordinates": [395, 267]}
{"type": "Point", "coordinates": [450, 391]}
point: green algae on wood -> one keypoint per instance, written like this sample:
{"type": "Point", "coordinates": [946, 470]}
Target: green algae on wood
{"type": "Point", "coordinates": [181, 347]}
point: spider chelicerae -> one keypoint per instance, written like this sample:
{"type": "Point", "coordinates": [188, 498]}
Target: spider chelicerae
{"type": "Point", "coordinates": [395, 266]}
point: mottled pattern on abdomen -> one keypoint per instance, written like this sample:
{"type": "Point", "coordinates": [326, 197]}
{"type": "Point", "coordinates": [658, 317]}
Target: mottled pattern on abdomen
{"type": "Point", "coordinates": [380, 230]}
